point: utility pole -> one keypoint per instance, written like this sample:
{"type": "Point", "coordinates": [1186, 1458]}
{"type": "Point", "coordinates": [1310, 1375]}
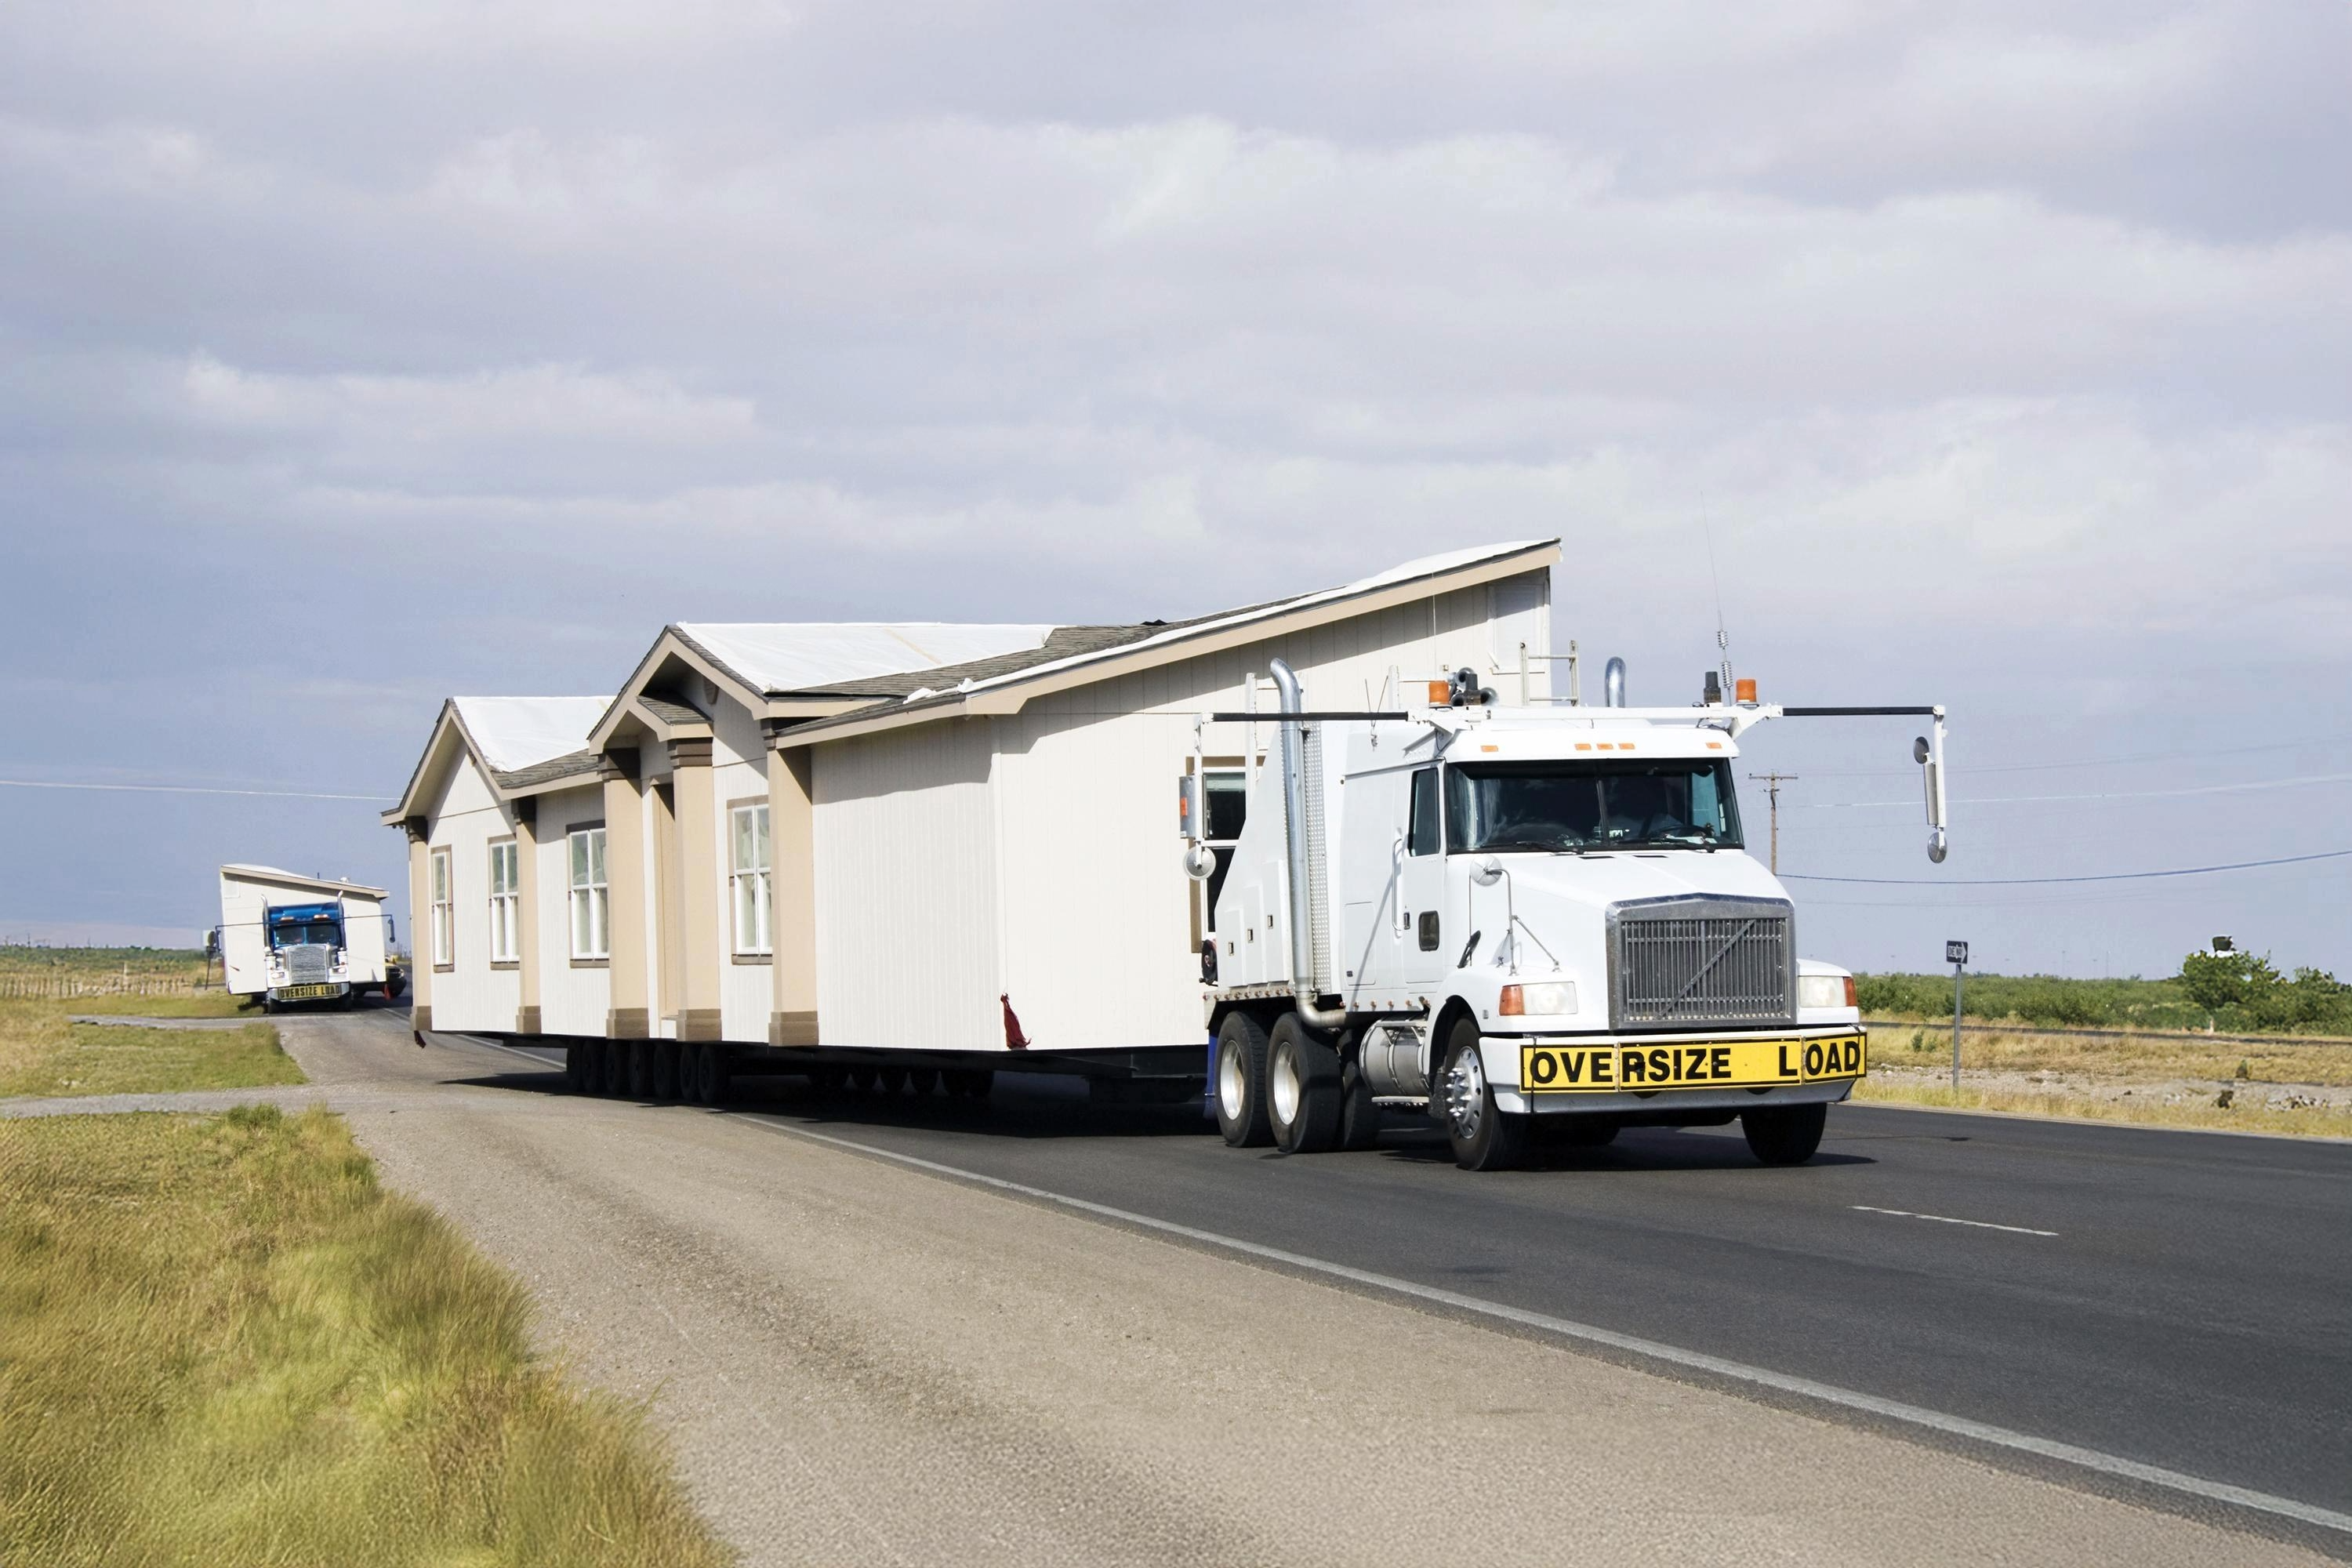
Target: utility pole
{"type": "Point", "coordinates": [1773, 783]}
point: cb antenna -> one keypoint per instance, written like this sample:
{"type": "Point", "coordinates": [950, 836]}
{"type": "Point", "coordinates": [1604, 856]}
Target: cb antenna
{"type": "Point", "coordinates": [1722, 636]}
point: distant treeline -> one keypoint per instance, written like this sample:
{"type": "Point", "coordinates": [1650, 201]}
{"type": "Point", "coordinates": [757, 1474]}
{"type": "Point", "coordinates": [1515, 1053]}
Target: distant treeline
{"type": "Point", "coordinates": [2231, 992]}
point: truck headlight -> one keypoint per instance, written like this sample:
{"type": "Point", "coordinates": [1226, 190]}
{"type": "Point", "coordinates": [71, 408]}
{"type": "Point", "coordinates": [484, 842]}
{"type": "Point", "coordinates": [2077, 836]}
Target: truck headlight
{"type": "Point", "coordinates": [1825, 991]}
{"type": "Point", "coordinates": [1545, 1000]}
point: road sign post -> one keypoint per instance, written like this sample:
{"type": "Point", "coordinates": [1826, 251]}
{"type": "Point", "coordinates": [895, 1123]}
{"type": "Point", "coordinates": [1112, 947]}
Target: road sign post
{"type": "Point", "coordinates": [1956, 953]}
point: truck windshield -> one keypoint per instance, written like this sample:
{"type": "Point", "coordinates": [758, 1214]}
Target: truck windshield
{"type": "Point", "coordinates": [294, 933]}
{"type": "Point", "coordinates": [1682, 803]}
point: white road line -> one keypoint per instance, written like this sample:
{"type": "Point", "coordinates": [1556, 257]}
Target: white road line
{"type": "Point", "coordinates": [1697, 1361]}
{"type": "Point", "coordinates": [1947, 1219]}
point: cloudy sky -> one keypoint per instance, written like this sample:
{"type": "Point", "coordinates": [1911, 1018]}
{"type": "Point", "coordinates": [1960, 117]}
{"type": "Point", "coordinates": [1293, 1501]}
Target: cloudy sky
{"type": "Point", "coordinates": [1989, 354]}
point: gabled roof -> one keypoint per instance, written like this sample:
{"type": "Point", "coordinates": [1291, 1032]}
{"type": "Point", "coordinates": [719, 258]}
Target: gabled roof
{"type": "Point", "coordinates": [781, 656]}
{"type": "Point", "coordinates": [1088, 654]}
{"type": "Point", "coordinates": [296, 880]}
{"type": "Point", "coordinates": [520, 743]}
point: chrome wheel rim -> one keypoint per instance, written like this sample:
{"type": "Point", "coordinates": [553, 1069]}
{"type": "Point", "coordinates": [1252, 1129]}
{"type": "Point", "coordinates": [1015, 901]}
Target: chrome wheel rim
{"type": "Point", "coordinates": [1228, 1084]}
{"type": "Point", "coordinates": [1465, 1094]}
{"type": "Point", "coordinates": [1286, 1087]}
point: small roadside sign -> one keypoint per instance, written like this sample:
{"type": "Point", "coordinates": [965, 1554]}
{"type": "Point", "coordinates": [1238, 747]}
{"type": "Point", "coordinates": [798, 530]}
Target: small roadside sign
{"type": "Point", "coordinates": [1956, 952]}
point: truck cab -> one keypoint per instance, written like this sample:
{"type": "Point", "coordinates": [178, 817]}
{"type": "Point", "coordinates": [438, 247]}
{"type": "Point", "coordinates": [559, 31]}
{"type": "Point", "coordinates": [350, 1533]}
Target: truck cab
{"type": "Point", "coordinates": [309, 959]}
{"type": "Point", "coordinates": [1527, 922]}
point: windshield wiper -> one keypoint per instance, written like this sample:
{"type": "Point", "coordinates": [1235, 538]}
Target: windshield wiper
{"type": "Point", "coordinates": [1541, 848]}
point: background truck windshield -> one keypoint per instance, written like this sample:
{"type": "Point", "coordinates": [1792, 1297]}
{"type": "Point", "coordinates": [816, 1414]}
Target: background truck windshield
{"type": "Point", "coordinates": [294, 933]}
{"type": "Point", "coordinates": [1679, 802]}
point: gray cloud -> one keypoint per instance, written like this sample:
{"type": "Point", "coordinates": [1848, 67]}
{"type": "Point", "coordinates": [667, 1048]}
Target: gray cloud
{"type": "Point", "coordinates": [1994, 353]}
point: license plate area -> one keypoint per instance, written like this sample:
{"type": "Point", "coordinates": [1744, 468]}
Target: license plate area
{"type": "Point", "coordinates": [1618, 1067]}
{"type": "Point", "coordinates": [304, 993]}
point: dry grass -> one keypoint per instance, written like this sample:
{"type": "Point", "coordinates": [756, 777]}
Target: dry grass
{"type": "Point", "coordinates": [2149, 1110]}
{"type": "Point", "coordinates": [222, 1342]}
{"type": "Point", "coordinates": [42, 1054]}
{"type": "Point", "coordinates": [2283, 1059]}
{"type": "Point", "coordinates": [192, 1004]}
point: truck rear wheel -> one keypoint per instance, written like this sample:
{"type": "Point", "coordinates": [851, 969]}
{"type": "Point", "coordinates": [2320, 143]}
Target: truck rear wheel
{"type": "Point", "coordinates": [1484, 1137]}
{"type": "Point", "coordinates": [1241, 1082]}
{"type": "Point", "coordinates": [1302, 1088]}
{"type": "Point", "coordinates": [668, 1057]}
{"type": "Point", "coordinates": [1784, 1134]}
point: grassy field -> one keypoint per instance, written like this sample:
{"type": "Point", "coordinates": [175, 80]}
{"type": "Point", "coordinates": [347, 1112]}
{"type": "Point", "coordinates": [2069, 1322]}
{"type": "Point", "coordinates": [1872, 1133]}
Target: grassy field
{"type": "Point", "coordinates": [222, 1342]}
{"type": "Point", "coordinates": [41, 1053]}
{"type": "Point", "coordinates": [2055, 1001]}
{"type": "Point", "coordinates": [2285, 1085]}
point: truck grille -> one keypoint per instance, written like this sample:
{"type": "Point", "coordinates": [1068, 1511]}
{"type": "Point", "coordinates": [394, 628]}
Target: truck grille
{"type": "Point", "coordinates": [306, 964]}
{"type": "Point", "coordinates": [1692, 961]}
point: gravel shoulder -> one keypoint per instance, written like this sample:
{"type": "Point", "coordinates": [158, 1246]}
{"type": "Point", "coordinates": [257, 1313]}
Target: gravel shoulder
{"type": "Point", "coordinates": [863, 1363]}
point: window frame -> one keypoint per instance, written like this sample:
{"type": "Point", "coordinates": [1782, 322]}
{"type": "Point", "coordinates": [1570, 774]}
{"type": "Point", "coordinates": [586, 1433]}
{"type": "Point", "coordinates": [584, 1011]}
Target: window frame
{"type": "Point", "coordinates": [441, 901]}
{"type": "Point", "coordinates": [756, 882]}
{"type": "Point", "coordinates": [1204, 906]}
{"type": "Point", "coordinates": [594, 893]}
{"type": "Point", "coordinates": [505, 901]}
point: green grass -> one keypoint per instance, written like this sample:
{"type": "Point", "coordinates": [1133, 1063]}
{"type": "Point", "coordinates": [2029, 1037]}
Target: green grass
{"type": "Point", "coordinates": [193, 1005]}
{"type": "Point", "coordinates": [222, 1342]}
{"type": "Point", "coordinates": [2055, 1001]}
{"type": "Point", "coordinates": [42, 1054]}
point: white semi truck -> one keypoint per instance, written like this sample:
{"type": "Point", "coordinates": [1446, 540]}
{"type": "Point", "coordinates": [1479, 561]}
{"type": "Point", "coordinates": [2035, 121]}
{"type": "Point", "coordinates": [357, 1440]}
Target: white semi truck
{"type": "Point", "coordinates": [1525, 920]}
{"type": "Point", "coordinates": [289, 938]}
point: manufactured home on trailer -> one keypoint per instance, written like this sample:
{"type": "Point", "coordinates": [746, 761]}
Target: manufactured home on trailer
{"type": "Point", "coordinates": [916, 847]}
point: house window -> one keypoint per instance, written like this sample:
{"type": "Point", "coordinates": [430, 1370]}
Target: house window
{"type": "Point", "coordinates": [591, 906]}
{"type": "Point", "coordinates": [750, 869]}
{"type": "Point", "coordinates": [506, 902]}
{"type": "Point", "coordinates": [445, 934]}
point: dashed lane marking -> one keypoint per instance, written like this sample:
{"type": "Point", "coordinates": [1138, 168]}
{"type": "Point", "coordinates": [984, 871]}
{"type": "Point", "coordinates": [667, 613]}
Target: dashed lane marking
{"type": "Point", "coordinates": [1674, 1355]}
{"type": "Point", "coordinates": [1947, 1219]}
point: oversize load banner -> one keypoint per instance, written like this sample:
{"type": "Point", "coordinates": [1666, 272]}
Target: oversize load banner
{"type": "Point", "coordinates": [1729, 1064]}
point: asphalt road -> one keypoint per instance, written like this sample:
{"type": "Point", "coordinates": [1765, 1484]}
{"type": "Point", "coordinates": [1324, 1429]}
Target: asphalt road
{"type": "Point", "coordinates": [2180, 1298]}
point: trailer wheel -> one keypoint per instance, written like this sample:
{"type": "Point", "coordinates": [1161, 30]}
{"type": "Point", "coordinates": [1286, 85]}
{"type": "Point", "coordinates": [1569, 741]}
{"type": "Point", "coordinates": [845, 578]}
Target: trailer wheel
{"type": "Point", "coordinates": [641, 1069]}
{"type": "Point", "coordinates": [1784, 1134]}
{"type": "Point", "coordinates": [1302, 1084]}
{"type": "Point", "coordinates": [1241, 1082]}
{"type": "Point", "coordinates": [616, 1067]}
{"type": "Point", "coordinates": [1359, 1119]}
{"type": "Point", "coordinates": [668, 1057]}
{"type": "Point", "coordinates": [828, 1079]}
{"type": "Point", "coordinates": [1484, 1137]}
{"type": "Point", "coordinates": [922, 1080]}
{"type": "Point", "coordinates": [861, 1078]}
{"type": "Point", "coordinates": [969, 1083]}
{"type": "Point", "coordinates": [717, 1077]}
{"type": "Point", "coordinates": [892, 1080]}
{"type": "Point", "coordinates": [576, 1067]}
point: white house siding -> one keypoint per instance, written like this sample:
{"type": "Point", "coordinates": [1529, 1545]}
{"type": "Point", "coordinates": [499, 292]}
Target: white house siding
{"type": "Point", "coordinates": [906, 908]}
{"type": "Point", "coordinates": [745, 991]}
{"type": "Point", "coordinates": [1097, 911]}
{"type": "Point", "coordinates": [570, 1001]}
{"type": "Point", "coordinates": [471, 994]}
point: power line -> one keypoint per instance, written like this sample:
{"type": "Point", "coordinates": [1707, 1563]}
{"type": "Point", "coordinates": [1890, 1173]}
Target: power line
{"type": "Point", "coordinates": [2209, 754]}
{"type": "Point", "coordinates": [182, 789]}
{"type": "Point", "coordinates": [2107, 794]}
{"type": "Point", "coordinates": [2046, 881]}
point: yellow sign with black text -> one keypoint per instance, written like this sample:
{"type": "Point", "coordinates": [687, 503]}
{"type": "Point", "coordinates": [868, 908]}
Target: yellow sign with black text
{"type": "Point", "coordinates": [1691, 1064]}
{"type": "Point", "coordinates": [304, 993]}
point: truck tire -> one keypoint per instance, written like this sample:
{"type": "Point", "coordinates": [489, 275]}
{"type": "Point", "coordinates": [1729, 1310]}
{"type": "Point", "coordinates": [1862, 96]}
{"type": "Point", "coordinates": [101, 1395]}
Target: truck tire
{"type": "Point", "coordinates": [611, 1067]}
{"type": "Point", "coordinates": [892, 1080]}
{"type": "Point", "coordinates": [828, 1079]}
{"type": "Point", "coordinates": [641, 1069]}
{"type": "Point", "coordinates": [969, 1083]}
{"type": "Point", "coordinates": [1240, 1084]}
{"type": "Point", "coordinates": [1484, 1137]}
{"type": "Point", "coordinates": [1359, 1119]}
{"type": "Point", "coordinates": [1302, 1088]}
{"type": "Point", "coordinates": [668, 1057]}
{"type": "Point", "coordinates": [576, 1067]}
{"type": "Point", "coordinates": [1784, 1134]}
{"type": "Point", "coordinates": [922, 1081]}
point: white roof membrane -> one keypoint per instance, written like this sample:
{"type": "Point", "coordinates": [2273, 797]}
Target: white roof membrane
{"type": "Point", "coordinates": [790, 657]}
{"type": "Point", "coordinates": [515, 732]}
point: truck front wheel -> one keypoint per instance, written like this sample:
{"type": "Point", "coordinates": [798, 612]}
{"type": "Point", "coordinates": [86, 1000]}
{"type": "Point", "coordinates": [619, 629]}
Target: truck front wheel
{"type": "Point", "coordinates": [1241, 1082]}
{"type": "Point", "coordinates": [1484, 1137]}
{"type": "Point", "coordinates": [1302, 1085]}
{"type": "Point", "coordinates": [1784, 1134]}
